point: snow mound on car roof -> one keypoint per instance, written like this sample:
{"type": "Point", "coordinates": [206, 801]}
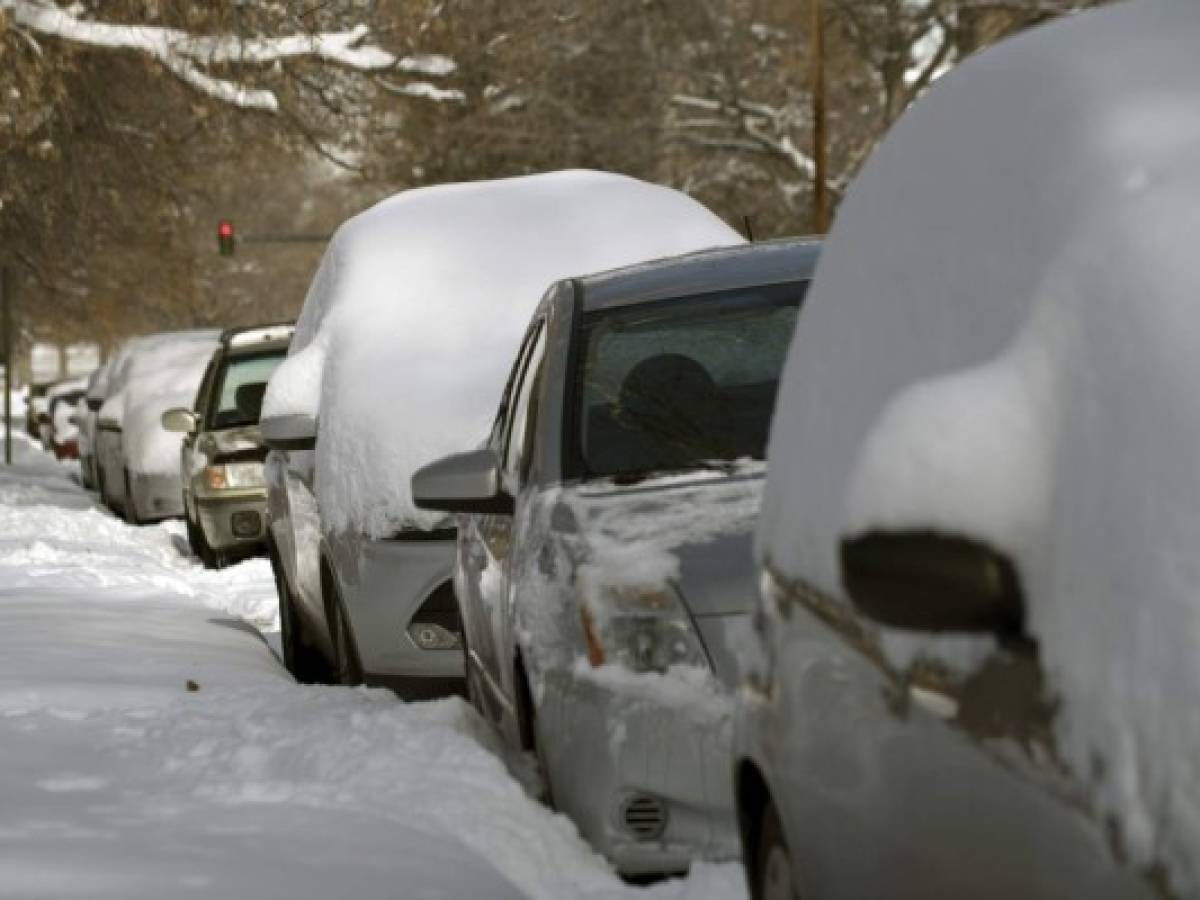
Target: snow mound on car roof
{"type": "Point", "coordinates": [162, 375]}
{"type": "Point", "coordinates": [1002, 341]}
{"type": "Point", "coordinates": [414, 317]}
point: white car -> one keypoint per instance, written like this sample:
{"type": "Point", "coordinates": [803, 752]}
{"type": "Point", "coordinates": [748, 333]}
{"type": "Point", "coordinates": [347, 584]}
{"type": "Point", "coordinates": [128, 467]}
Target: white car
{"type": "Point", "coordinates": [400, 355]}
{"type": "Point", "coordinates": [137, 459]}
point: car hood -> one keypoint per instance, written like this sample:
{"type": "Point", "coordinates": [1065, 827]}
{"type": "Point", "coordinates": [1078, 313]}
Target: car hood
{"type": "Point", "coordinates": [232, 444]}
{"type": "Point", "coordinates": [694, 531]}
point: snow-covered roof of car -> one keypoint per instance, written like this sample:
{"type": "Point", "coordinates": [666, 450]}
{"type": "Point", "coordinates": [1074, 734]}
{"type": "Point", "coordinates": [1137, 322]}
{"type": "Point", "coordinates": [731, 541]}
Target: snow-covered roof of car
{"type": "Point", "coordinates": [414, 317]}
{"type": "Point", "coordinates": [1003, 341]}
{"type": "Point", "coordinates": [704, 271]}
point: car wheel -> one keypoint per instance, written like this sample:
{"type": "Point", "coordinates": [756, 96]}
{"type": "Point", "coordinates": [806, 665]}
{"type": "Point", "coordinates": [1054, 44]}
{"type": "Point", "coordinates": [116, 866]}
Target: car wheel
{"type": "Point", "coordinates": [469, 692]}
{"type": "Point", "coordinates": [130, 508]}
{"type": "Point", "coordinates": [193, 535]}
{"type": "Point", "coordinates": [303, 661]}
{"type": "Point", "coordinates": [347, 669]}
{"type": "Point", "coordinates": [773, 878]}
{"type": "Point", "coordinates": [527, 730]}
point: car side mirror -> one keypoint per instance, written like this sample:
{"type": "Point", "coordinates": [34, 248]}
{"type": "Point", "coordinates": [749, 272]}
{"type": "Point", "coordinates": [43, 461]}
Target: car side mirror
{"type": "Point", "coordinates": [291, 432]}
{"type": "Point", "coordinates": [94, 403]}
{"type": "Point", "coordinates": [927, 581]}
{"type": "Point", "coordinates": [463, 483]}
{"type": "Point", "coordinates": [180, 420]}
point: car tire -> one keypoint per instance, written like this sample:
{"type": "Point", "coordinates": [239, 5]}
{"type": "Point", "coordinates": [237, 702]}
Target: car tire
{"type": "Point", "coordinates": [347, 669]}
{"type": "Point", "coordinates": [773, 875]}
{"type": "Point", "coordinates": [304, 663]}
{"type": "Point", "coordinates": [193, 536]}
{"type": "Point", "coordinates": [527, 731]}
{"type": "Point", "coordinates": [130, 507]}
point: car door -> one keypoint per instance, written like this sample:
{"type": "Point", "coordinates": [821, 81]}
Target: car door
{"type": "Point", "coordinates": [515, 462]}
{"type": "Point", "coordinates": [188, 461]}
{"type": "Point", "coordinates": [482, 587]}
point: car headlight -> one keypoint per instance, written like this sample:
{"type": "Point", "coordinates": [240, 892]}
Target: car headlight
{"type": "Point", "coordinates": [232, 476]}
{"type": "Point", "coordinates": [646, 630]}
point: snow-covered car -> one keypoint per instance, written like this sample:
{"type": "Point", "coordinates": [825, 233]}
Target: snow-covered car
{"type": "Point", "coordinates": [221, 458]}
{"type": "Point", "coordinates": [137, 459]}
{"type": "Point", "coordinates": [979, 671]}
{"type": "Point", "coordinates": [87, 415]}
{"type": "Point", "coordinates": [399, 357]}
{"type": "Point", "coordinates": [62, 436]}
{"type": "Point", "coordinates": [604, 568]}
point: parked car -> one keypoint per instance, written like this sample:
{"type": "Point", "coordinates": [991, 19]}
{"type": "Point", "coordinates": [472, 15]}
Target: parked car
{"type": "Point", "coordinates": [980, 608]}
{"type": "Point", "coordinates": [137, 460]}
{"type": "Point", "coordinates": [399, 356]}
{"type": "Point", "coordinates": [221, 458]}
{"type": "Point", "coordinates": [93, 399]}
{"type": "Point", "coordinates": [604, 566]}
{"type": "Point", "coordinates": [62, 434]}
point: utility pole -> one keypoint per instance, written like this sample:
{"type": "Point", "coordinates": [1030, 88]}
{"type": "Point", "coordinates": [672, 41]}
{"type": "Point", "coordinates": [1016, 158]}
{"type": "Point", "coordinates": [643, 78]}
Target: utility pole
{"type": "Point", "coordinates": [816, 52]}
{"type": "Point", "coordinates": [6, 302]}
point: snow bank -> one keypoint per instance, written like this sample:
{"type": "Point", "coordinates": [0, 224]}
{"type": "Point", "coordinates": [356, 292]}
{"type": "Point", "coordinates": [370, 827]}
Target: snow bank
{"type": "Point", "coordinates": [121, 782]}
{"type": "Point", "coordinates": [160, 377]}
{"type": "Point", "coordinates": [413, 320]}
{"type": "Point", "coordinates": [1002, 341]}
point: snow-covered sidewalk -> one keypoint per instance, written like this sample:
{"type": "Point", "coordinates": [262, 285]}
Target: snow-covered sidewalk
{"type": "Point", "coordinates": [152, 746]}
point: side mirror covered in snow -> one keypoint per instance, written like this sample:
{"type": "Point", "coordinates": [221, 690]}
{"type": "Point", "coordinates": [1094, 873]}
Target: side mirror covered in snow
{"type": "Point", "coordinates": [291, 432]}
{"type": "Point", "coordinates": [932, 582]}
{"type": "Point", "coordinates": [463, 483]}
{"type": "Point", "coordinates": [179, 419]}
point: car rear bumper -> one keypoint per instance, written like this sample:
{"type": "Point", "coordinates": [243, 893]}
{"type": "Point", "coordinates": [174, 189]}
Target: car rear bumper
{"type": "Point", "coordinates": [642, 770]}
{"type": "Point", "coordinates": [156, 496]}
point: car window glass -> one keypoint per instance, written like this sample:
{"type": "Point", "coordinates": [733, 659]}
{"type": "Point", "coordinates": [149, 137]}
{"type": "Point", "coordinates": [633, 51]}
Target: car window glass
{"type": "Point", "coordinates": [683, 383]}
{"type": "Point", "coordinates": [520, 424]}
{"type": "Point", "coordinates": [500, 425]}
{"type": "Point", "coordinates": [242, 383]}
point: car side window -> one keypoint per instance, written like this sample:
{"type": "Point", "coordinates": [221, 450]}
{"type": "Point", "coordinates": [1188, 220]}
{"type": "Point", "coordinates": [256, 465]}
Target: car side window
{"type": "Point", "coordinates": [521, 420]}
{"type": "Point", "coordinates": [500, 425]}
{"type": "Point", "coordinates": [200, 405]}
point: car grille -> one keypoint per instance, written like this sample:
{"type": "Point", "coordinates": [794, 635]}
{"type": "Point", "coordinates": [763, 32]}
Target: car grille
{"type": "Point", "coordinates": [644, 816]}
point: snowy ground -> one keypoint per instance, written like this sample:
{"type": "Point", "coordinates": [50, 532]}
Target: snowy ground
{"type": "Point", "coordinates": [152, 746]}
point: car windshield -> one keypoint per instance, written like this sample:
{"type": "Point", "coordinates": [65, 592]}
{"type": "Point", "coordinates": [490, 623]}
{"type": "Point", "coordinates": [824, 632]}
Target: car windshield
{"type": "Point", "coordinates": [682, 384]}
{"type": "Point", "coordinates": [240, 388]}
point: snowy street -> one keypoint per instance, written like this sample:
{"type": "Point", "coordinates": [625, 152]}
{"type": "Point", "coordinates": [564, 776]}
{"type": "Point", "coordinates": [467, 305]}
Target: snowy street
{"type": "Point", "coordinates": [154, 746]}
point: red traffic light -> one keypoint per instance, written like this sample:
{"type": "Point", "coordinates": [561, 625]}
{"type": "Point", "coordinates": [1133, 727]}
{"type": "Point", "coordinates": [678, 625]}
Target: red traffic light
{"type": "Point", "coordinates": [225, 238]}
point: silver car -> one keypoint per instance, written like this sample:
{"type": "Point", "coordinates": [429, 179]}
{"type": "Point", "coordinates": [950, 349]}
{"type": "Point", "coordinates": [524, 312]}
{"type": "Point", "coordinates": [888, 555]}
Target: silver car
{"type": "Point", "coordinates": [978, 665]}
{"type": "Point", "coordinates": [604, 570]}
{"type": "Point", "coordinates": [221, 459]}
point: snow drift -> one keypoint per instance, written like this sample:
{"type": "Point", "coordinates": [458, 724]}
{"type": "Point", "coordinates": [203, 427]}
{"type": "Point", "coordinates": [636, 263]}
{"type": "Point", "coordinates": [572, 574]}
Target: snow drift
{"type": "Point", "coordinates": [1002, 341]}
{"type": "Point", "coordinates": [414, 317]}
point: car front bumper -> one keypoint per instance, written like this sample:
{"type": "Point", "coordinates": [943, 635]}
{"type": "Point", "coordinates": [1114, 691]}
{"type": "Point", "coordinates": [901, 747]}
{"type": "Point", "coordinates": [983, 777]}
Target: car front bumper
{"type": "Point", "coordinates": [233, 520]}
{"type": "Point", "coordinates": [629, 756]}
{"type": "Point", "coordinates": [384, 584]}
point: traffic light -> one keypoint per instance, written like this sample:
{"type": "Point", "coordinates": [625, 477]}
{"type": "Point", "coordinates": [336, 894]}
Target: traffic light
{"type": "Point", "coordinates": [225, 238]}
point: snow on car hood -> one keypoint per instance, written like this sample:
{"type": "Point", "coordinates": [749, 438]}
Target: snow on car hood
{"type": "Point", "coordinates": [1002, 341]}
{"type": "Point", "coordinates": [692, 530]}
{"type": "Point", "coordinates": [414, 317]}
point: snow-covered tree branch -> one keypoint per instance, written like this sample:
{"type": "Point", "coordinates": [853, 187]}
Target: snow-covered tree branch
{"type": "Point", "coordinates": [192, 57]}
